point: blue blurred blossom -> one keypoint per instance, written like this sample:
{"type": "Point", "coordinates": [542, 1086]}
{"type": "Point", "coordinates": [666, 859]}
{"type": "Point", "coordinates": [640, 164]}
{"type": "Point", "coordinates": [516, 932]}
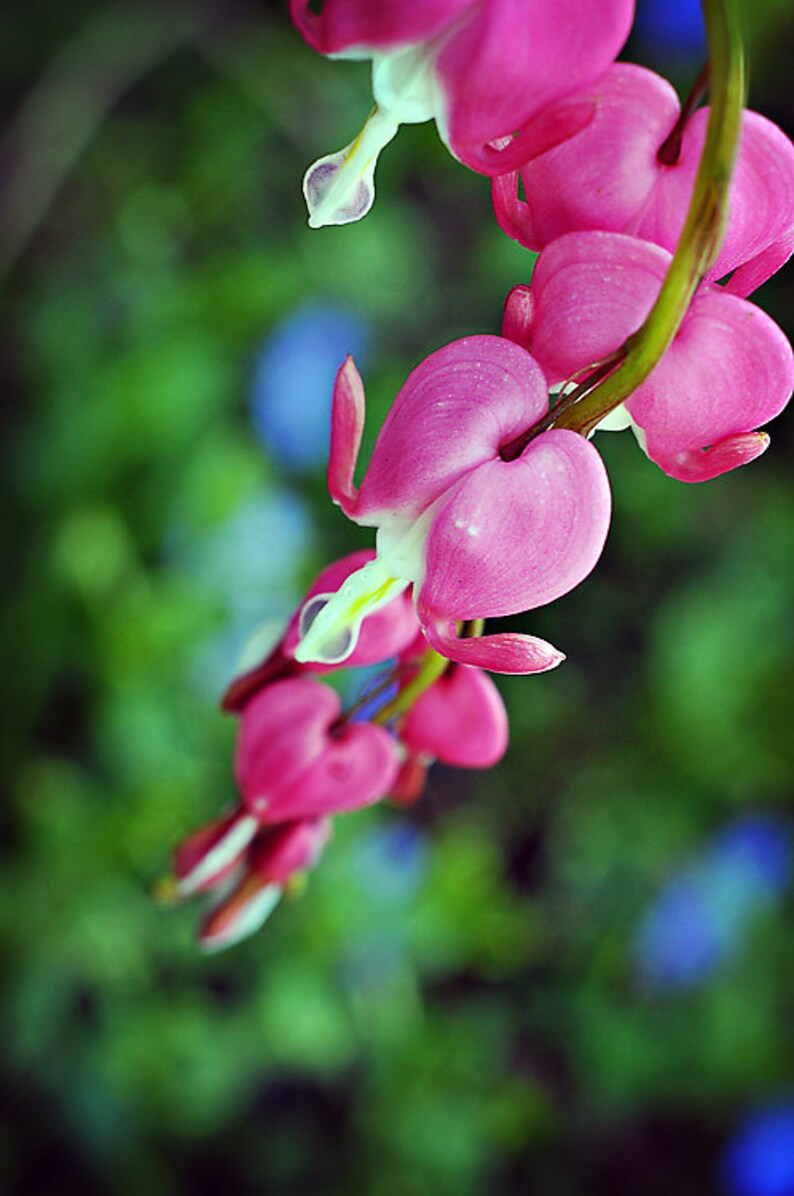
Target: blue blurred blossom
{"type": "Point", "coordinates": [293, 380]}
{"type": "Point", "coordinates": [701, 917]}
{"type": "Point", "coordinates": [390, 862]}
{"type": "Point", "coordinates": [759, 1159]}
{"type": "Point", "coordinates": [671, 27]}
{"type": "Point", "coordinates": [252, 564]}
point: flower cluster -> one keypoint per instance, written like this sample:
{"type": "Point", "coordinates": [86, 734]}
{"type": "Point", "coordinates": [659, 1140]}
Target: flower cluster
{"type": "Point", "coordinates": [301, 759]}
{"type": "Point", "coordinates": [652, 223]}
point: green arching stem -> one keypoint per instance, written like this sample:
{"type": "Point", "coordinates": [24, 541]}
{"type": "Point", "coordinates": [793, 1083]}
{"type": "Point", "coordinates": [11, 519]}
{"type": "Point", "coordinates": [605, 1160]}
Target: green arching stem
{"type": "Point", "coordinates": [432, 666]}
{"type": "Point", "coordinates": [703, 230]}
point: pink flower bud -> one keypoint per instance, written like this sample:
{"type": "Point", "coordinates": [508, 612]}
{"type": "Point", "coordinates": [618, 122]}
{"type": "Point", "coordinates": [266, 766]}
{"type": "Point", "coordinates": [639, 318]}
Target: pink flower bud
{"type": "Point", "coordinates": [212, 853]}
{"type": "Point", "coordinates": [275, 856]}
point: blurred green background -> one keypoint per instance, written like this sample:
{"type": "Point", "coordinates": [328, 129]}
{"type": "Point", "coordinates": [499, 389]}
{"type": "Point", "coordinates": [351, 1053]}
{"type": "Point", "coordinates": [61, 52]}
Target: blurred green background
{"type": "Point", "coordinates": [571, 975]}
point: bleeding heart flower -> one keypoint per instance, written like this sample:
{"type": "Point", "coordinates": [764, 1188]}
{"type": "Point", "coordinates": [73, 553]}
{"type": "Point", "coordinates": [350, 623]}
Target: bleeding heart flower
{"type": "Point", "coordinates": [479, 527]}
{"type": "Point", "coordinates": [484, 70]}
{"type": "Point", "coordinates": [728, 369]}
{"type": "Point", "coordinates": [624, 172]}
{"type": "Point", "coordinates": [295, 760]}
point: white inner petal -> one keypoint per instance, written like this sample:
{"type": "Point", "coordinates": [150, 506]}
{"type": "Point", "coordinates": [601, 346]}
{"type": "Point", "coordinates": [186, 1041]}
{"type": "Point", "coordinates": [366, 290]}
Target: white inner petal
{"type": "Point", "coordinates": [405, 84]}
{"type": "Point", "coordinates": [253, 915]}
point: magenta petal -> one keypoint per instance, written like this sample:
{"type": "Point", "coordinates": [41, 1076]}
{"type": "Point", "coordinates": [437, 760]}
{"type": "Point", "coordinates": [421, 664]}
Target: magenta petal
{"type": "Point", "coordinates": [505, 652]}
{"type": "Point", "coordinates": [728, 371]}
{"type": "Point", "coordinates": [514, 535]}
{"type": "Point", "coordinates": [461, 720]}
{"type": "Point", "coordinates": [546, 130]}
{"type": "Point", "coordinates": [385, 25]}
{"type": "Point", "coordinates": [753, 274]}
{"type": "Point", "coordinates": [761, 195]}
{"type": "Point", "coordinates": [601, 178]}
{"type": "Point", "coordinates": [702, 465]}
{"type": "Point", "coordinates": [591, 290]}
{"type": "Point", "coordinates": [515, 56]}
{"type": "Point", "coordinates": [212, 853]}
{"type": "Point", "coordinates": [283, 729]}
{"type": "Point", "coordinates": [291, 763]}
{"type": "Point", "coordinates": [356, 768]}
{"type": "Point", "coordinates": [347, 427]}
{"type": "Point", "coordinates": [452, 414]}
{"type": "Point", "coordinates": [279, 851]}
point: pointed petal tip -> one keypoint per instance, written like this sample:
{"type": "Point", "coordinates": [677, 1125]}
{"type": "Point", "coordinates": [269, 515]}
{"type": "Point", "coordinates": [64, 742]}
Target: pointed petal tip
{"type": "Point", "coordinates": [504, 652]}
{"type": "Point", "coordinates": [237, 918]}
{"type": "Point", "coordinates": [703, 465]}
{"type": "Point", "coordinates": [220, 855]}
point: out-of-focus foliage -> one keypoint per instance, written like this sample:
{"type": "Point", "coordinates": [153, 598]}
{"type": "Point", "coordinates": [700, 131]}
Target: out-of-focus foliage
{"type": "Point", "coordinates": [454, 1004]}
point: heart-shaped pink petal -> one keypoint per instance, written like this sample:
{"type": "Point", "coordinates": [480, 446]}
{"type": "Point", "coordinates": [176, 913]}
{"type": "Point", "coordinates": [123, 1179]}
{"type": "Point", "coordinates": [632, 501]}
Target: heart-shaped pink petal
{"type": "Point", "coordinates": [514, 535]}
{"type": "Point", "coordinates": [452, 414]}
{"type": "Point", "coordinates": [461, 720]}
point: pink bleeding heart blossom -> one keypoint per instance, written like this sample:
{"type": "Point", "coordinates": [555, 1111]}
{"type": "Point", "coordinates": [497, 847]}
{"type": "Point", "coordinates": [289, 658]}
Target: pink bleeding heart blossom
{"type": "Point", "coordinates": [277, 855]}
{"type": "Point", "coordinates": [296, 759]}
{"type": "Point", "coordinates": [383, 635]}
{"type": "Point", "coordinates": [624, 172]}
{"type": "Point", "coordinates": [460, 720]}
{"type": "Point", "coordinates": [728, 370]}
{"type": "Point", "coordinates": [484, 70]}
{"type": "Point", "coordinates": [477, 531]}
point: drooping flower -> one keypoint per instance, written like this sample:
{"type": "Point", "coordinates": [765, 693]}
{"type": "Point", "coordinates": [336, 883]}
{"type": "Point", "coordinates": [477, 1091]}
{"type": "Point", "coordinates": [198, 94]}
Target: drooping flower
{"type": "Point", "coordinates": [728, 370]}
{"type": "Point", "coordinates": [478, 526]}
{"type": "Point", "coordinates": [276, 857]}
{"type": "Point", "coordinates": [484, 70]}
{"type": "Point", "coordinates": [632, 169]}
{"type": "Point", "coordinates": [296, 759]}
{"type": "Point", "coordinates": [384, 634]}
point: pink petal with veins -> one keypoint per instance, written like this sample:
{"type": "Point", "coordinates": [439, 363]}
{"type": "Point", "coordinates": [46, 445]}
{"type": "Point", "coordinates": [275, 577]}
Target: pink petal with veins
{"type": "Point", "coordinates": [600, 178]}
{"type": "Point", "coordinates": [591, 290]}
{"type": "Point", "coordinates": [514, 535]}
{"type": "Point", "coordinates": [701, 465]}
{"type": "Point", "coordinates": [761, 203]}
{"type": "Point", "coordinates": [728, 370]}
{"type": "Point", "coordinates": [347, 427]}
{"type": "Point", "coordinates": [452, 414]}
